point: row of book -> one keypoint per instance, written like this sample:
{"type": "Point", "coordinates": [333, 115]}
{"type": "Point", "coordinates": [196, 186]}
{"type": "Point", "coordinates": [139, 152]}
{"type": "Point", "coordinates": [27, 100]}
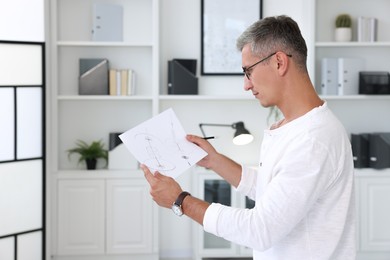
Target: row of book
{"type": "Point", "coordinates": [340, 76]}
{"type": "Point", "coordinates": [121, 82]}
{"type": "Point", "coordinates": [96, 78]}
{"type": "Point", "coordinates": [367, 29]}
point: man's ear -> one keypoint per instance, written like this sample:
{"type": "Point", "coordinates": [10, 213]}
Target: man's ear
{"type": "Point", "coordinates": [282, 62]}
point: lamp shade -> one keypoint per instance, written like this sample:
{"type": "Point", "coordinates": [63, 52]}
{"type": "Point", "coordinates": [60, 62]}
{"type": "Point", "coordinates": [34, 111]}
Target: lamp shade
{"type": "Point", "coordinates": [242, 135]}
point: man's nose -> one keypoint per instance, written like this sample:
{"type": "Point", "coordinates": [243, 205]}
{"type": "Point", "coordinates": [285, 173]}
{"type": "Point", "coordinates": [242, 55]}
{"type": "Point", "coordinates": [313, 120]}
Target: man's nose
{"type": "Point", "coordinates": [247, 84]}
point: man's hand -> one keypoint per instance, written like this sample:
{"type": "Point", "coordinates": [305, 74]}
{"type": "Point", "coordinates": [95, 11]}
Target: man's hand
{"type": "Point", "coordinates": [207, 161]}
{"type": "Point", "coordinates": [163, 189]}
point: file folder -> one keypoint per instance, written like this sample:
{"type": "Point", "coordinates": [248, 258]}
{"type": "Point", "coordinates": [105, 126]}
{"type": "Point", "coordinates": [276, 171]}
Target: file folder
{"type": "Point", "coordinates": [360, 150]}
{"type": "Point", "coordinates": [182, 78]}
{"type": "Point", "coordinates": [93, 78]}
{"type": "Point", "coordinates": [379, 150]}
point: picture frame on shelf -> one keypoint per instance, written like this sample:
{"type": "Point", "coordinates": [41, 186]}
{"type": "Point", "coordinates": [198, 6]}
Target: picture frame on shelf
{"type": "Point", "coordinates": [222, 22]}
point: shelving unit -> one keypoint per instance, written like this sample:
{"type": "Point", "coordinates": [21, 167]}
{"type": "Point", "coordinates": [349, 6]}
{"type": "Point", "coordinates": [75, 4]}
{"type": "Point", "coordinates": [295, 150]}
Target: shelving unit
{"type": "Point", "coordinates": [99, 115]}
{"type": "Point", "coordinates": [374, 53]}
{"type": "Point", "coordinates": [94, 117]}
{"type": "Point", "coordinates": [78, 192]}
{"type": "Point", "coordinates": [360, 113]}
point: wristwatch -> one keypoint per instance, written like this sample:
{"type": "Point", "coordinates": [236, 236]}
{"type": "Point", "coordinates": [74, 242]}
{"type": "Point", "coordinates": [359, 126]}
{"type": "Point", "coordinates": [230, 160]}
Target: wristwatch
{"type": "Point", "coordinates": [176, 206]}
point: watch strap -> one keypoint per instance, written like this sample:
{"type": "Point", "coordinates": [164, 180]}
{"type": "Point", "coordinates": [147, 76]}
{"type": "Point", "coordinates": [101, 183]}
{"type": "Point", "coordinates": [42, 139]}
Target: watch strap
{"type": "Point", "coordinates": [181, 197]}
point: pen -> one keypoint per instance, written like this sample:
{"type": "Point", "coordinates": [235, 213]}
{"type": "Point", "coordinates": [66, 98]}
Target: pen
{"type": "Point", "coordinates": [208, 137]}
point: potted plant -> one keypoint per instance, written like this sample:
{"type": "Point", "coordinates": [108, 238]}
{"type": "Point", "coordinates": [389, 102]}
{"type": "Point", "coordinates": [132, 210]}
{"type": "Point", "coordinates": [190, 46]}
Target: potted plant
{"type": "Point", "coordinates": [343, 32]}
{"type": "Point", "coordinates": [89, 153]}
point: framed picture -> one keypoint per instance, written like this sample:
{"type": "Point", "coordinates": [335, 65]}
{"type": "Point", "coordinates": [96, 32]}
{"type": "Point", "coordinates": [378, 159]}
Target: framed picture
{"type": "Point", "coordinates": [222, 22]}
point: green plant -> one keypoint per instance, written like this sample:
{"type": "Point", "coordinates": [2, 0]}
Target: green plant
{"type": "Point", "coordinates": [95, 150]}
{"type": "Point", "coordinates": [274, 115]}
{"type": "Point", "coordinates": [343, 21]}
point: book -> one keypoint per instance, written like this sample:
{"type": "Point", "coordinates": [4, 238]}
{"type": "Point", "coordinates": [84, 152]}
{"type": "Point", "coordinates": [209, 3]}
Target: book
{"type": "Point", "coordinates": [122, 82]}
{"type": "Point", "coordinates": [112, 82]}
{"type": "Point", "coordinates": [367, 29]}
{"type": "Point", "coordinates": [131, 82]}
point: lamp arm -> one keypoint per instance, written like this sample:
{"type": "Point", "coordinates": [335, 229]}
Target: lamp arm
{"type": "Point", "coordinates": [202, 124]}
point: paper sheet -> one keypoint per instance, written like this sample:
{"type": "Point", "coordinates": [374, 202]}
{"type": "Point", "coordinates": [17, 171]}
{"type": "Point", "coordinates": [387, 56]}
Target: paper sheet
{"type": "Point", "coordinates": [160, 143]}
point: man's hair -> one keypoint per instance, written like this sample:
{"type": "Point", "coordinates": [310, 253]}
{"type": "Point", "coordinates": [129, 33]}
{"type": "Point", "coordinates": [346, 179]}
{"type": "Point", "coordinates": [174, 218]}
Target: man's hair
{"type": "Point", "coordinates": [272, 34]}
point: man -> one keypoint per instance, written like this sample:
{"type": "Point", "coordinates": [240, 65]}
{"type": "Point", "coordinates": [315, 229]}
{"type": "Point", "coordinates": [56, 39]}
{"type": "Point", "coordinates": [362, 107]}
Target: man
{"type": "Point", "coordinates": [303, 187]}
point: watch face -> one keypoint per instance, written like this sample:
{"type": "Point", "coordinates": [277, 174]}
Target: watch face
{"type": "Point", "coordinates": [177, 210]}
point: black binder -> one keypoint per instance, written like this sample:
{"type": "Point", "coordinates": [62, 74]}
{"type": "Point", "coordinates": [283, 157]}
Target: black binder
{"type": "Point", "coordinates": [114, 140]}
{"type": "Point", "coordinates": [379, 150]}
{"type": "Point", "coordinates": [374, 82]}
{"type": "Point", "coordinates": [182, 78]}
{"type": "Point", "coordinates": [360, 150]}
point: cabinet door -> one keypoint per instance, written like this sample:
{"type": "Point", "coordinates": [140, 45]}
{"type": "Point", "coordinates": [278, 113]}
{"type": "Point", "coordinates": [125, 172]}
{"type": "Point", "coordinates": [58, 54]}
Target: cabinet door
{"type": "Point", "coordinates": [129, 217]}
{"type": "Point", "coordinates": [81, 217]}
{"type": "Point", "coordinates": [375, 214]}
{"type": "Point", "coordinates": [214, 189]}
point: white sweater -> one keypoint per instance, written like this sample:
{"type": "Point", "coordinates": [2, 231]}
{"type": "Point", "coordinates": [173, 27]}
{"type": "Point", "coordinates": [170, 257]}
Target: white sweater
{"type": "Point", "coordinates": [304, 194]}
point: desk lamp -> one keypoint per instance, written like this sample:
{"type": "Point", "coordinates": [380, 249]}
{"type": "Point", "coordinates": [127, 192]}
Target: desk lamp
{"type": "Point", "coordinates": [241, 136]}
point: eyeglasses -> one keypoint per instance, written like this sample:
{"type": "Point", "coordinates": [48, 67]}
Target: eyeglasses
{"type": "Point", "coordinates": [247, 70]}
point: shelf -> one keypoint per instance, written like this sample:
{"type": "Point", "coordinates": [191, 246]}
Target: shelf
{"type": "Point", "coordinates": [352, 44]}
{"type": "Point", "coordinates": [357, 97]}
{"type": "Point", "coordinates": [237, 98]}
{"type": "Point", "coordinates": [205, 97]}
{"type": "Point", "coordinates": [103, 97]}
{"type": "Point", "coordinates": [99, 174]}
{"type": "Point", "coordinates": [103, 44]}
{"type": "Point", "coordinates": [369, 172]}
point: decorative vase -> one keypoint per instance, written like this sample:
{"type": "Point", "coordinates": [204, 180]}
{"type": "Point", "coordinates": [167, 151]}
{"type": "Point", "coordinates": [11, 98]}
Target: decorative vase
{"type": "Point", "coordinates": [91, 164]}
{"type": "Point", "coordinates": [343, 34]}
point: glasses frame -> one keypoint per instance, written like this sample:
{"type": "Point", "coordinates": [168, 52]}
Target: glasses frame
{"type": "Point", "coordinates": [246, 70]}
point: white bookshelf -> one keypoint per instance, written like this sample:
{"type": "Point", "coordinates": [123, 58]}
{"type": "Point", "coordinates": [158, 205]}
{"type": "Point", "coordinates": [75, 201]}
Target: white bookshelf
{"type": "Point", "coordinates": [93, 117]}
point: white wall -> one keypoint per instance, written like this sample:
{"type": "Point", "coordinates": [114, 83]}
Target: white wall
{"type": "Point", "coordinates": [180, 38]}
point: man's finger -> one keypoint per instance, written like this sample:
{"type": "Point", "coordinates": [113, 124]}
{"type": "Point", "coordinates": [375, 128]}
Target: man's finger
{"type": "Point", "coordinates": [148, 174]}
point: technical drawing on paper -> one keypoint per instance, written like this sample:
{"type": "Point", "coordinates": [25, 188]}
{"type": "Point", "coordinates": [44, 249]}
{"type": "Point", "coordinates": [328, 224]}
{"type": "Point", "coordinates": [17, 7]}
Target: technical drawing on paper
{"type": "Point", "coordinates": [160, 144]}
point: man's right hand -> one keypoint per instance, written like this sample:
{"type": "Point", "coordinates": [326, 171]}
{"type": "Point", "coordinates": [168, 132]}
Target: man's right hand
{"type": "Point", "coordinates": [207, 161]}
{"type": "Point", "coordinates": [222, 165]}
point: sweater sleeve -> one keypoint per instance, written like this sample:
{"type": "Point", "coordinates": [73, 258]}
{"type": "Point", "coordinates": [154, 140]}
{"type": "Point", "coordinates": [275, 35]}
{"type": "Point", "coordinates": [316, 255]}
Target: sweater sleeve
{"type": "Point", "coordinates": [247, 185]}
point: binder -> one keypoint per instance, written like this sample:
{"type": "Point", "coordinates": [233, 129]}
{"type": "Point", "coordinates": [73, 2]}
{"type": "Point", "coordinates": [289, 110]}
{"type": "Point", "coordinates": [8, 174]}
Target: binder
{"type": "Point", "coordinates": [379, 147]}
{"type": "Point", "coordinates": [348, 75]}
{"type": "Point", "coordinates": [93, 78]}
{"type": "Point", "coordinates": [182, 78]}
{"type": "Point", "coordinates": [107, 22]}
{"type": "Point", "coordinates": [329, 78]}
{"type": "Point", "coordinates": [374, 82]}
{"type": "Point", "coordinates": [114, 140]}
{"type": "Point", "coordinates": [360, 150]}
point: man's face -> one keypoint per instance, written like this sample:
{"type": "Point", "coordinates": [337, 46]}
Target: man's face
{"type": "Point", "coordinates": [261, 76]}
